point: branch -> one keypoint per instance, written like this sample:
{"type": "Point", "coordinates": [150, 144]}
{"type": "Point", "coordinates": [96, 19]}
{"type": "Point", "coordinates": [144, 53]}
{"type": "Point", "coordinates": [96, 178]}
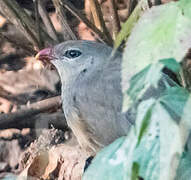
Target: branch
{"type": "Point", "coordinates": [6, 120]}
{"type": "Point", "coordinates": [98, 18]}
{"type": "Point", "coordinates": [17, 16]}
{"type": "Point", "coordinates": [115, 18]}
{"type": "Point", "coordinates": [40, 121]}
{"type": "Point", "coordinates": [102, 37]}
{"type": "Point", "coordinates": [130, 6]}
{"type": "Point", "coordinates": [47, 22]}
{"type": "Point", "coordinates": [36, 2]}
{"type": "Point", "coordinates": [23, 44]}
{"type": "Point", "coordinates": [61, 15]}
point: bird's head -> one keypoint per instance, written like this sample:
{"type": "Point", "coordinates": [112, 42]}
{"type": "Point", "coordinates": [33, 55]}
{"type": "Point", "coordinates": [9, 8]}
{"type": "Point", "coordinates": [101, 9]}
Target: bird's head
{"type": "Point", "coordinates": [74, 57]}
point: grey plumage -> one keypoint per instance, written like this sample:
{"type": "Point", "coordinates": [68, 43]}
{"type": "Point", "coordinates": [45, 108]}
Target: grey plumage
{"type": "Point", "coordinates": [91, 92]}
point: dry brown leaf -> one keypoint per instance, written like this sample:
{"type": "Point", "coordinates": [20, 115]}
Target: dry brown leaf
{"type": "Point", "coordinates": [53, 163]}
{"type": "Point", "coordinates": [39, 164]}
{"type": "Point", "coordinates": [62, 162]}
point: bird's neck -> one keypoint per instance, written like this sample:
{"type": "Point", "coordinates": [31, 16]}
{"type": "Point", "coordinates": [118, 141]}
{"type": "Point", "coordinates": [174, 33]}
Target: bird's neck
{"type": "Point", "coordinates": [68, 88]}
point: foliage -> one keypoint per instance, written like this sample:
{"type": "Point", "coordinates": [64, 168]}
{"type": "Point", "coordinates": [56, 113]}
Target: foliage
{"type": "Point", "coordinates": [162, 32]}
{"type": "Point", "coordinates": [157, 146]}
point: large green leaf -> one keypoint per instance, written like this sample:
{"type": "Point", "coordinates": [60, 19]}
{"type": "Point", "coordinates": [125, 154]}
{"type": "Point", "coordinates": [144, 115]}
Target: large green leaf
{"type": "Point", "coordinates": [162, 32]}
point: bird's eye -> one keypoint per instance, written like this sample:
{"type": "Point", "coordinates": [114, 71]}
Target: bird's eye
{"type": "Point", "coordinates": [72, 54]}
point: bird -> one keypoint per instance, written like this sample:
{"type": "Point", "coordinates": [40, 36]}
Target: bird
{"type": "Point", "coordinates": [91, 91]}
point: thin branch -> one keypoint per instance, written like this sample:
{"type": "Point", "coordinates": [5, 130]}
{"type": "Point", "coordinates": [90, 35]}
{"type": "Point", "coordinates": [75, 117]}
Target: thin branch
{"type": "Point", "coordinates": [98, 18]}
{"type": "Point", "coordinates": [61, 15]}
{"type": "Point", "coordinates": [36, 2]}
{"type": "Point", "coordinates": [17, 43]}
{"type": "Point", "coordinates": [115, 18]}
{"type": "Point", "coordinates": [47, 22]}
{"type": "Point", "coordinates": [5, 94]}
{"type": "Point", "coordinates": [28, 111]}
{"type": "Point", "coordinates": [17, 16]}
{"type": "Point", "coordinates": [102, 37]}
{"type": "Point", "coordinates": [42, 120]}
{"type": "Point", "coordinates": [131, 5]}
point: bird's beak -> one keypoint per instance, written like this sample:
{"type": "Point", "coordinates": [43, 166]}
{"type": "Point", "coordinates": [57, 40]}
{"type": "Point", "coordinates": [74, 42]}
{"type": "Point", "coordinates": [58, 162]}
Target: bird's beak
{"type": "Point", "coordinates": [45, 55]}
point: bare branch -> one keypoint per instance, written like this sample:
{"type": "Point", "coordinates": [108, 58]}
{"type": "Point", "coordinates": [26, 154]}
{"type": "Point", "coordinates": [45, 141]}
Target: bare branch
{"type": "Point", "coordinates": [28, 111]}
{"type": "Point", "coordinates": [115, 18]}
{"type": "Point", "coordinates": [39, 121]}
{"type": "Point", "coordinates": [23, 44]}
{"type": "Point", "coordinates": [131, 5]}
{"type": "Point", "coordinates": [17, 16]}
{"type": "Point", "coordinates": [47, 22]}
{"type": "Point", "coordinates": [36, 2]}
{"type": "Point", "coordinates": [61, 15]}
{"type": "Point", "coordinates": [98, 18]}
{"type": "Point", "coordinates": [102, 37]}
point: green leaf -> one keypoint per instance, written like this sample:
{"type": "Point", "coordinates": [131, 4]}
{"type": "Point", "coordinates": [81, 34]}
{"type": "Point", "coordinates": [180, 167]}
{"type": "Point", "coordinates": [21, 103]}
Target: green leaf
{"type": "Point", "coordinates": [162, 32]}
{"type": "Point", "coordinates": [139, 83]}
{"type": "Point", "coordinates": [184, 169]}
{"type": "Point", "coordinates": [185, 5]}
{"type": "Point", "coordinates": [171, 64]}
{"type": "Point", "coordinates": [171, 97]}
{"type": "Point", "coordinates": [150, 77]}
{"type": "Point", "coordinates": [131, 21]}
{"type": "Point", "coordinates": [106, 161]}
{"type": "Point", "coordinates": [135, 170]}
{"type": "Point", "coordinates": [144, 124]}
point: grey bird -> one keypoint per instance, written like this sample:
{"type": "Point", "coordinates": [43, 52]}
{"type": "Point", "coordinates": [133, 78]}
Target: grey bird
{"type": "Point", "coordinates": [91, 91]}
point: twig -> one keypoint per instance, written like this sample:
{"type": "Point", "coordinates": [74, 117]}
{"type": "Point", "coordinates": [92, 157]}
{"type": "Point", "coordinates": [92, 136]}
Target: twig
{"type": "Point", "coordinates": [39, 121]}
{"type": "Point", "coordinates": [131, 5]}
{"type": "Point", "coordinates": [33, 109]}
{"type": "Point", "coordinates": [98, 18]}
{"type": "Point", "coordinates": [83, 18]}
{"type": "Point", "coordinates": [17, 16]}
{"type": "Point", "coordinates": [17, 43]}
{"type": "Point", "coordinates": [47, 22]}
{"type": "Point", "coordinates": [115, 19]}
{"type": "Point", "coordinates": [6, 95]}
{"type": "Point", "coordinates": [61, 15]}
{"type": "Point", "coordinates": [36, 2]}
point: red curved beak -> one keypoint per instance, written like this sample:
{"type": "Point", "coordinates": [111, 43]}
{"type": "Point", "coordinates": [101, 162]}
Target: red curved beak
{"type": "Point", "coordinates": [45, 55]}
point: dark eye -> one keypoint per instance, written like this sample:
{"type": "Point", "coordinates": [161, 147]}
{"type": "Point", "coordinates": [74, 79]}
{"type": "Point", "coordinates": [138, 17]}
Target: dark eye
{"type": "Point", "coordinates": [72, 54]}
